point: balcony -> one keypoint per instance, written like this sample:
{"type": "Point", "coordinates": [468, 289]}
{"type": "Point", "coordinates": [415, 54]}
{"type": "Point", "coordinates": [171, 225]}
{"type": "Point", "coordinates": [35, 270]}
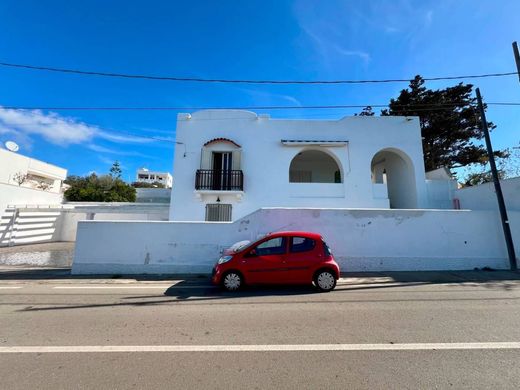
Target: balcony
{"type": "Point", "coordinates": [219, 180]}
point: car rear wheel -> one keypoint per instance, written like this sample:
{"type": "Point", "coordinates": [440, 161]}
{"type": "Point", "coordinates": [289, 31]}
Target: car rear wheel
{"type": "Point", "coordinates": [232, 281]}
{"type": "Point", "coordinates": [325, 280]}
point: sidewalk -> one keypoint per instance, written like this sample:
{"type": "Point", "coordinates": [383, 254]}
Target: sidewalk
{"type": "Point", "coordinates": [52, 254]}
{"type": "Point", "coordinates": [52, 261]}
{"type": "Point", "coordinates": [16, 273]}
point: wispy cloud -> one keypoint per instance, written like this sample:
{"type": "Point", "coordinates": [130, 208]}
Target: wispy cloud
{"type": "Point", "coordinates": [123, 138]}
{"type": "Point", "coordinates": [356, 53]}
{"type": "Point", "coordinates": [330, 37]}
{"type": "Point", "coordinates": [267, 97]}
{"type": "Point", "coordinates": [106, 160]}
{"type": "Point", "coordinates": [329, 48]}
{"type": "Point", "coordinates": [61, 130]}
{"type": "Point", "coordinates": [52, 127]}
{"type": "Point", "coordinates": [428, 18]}
{"type": "Point", "coordinates": [118, 152]}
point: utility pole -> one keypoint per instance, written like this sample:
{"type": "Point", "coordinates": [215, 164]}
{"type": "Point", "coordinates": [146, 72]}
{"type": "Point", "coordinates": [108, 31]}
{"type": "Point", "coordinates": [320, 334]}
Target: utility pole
{"type": "Point", "coordinates": [498, 188]}
{"type": "Point", "coordinates": [517, 58]}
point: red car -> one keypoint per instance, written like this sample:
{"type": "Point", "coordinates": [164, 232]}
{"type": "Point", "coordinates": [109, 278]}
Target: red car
{"type": "Point", "coordinates": [278, 258]}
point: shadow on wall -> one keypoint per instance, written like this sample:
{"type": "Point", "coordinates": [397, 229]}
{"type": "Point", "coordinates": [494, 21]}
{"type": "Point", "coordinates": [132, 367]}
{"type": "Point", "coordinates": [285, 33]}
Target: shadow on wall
{"type": "Point", "coordinates": [18, 227]}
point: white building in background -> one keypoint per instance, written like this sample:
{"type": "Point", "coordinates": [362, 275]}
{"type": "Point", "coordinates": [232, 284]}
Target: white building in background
{"type": "Point", "coordinates": [229, 163]}
{"type": "Point", "coordinates": [27, 182]}
{"type": "Point", "coordinates": [25, 172]}
{"type": "Point", "coordinates": [146, 176]}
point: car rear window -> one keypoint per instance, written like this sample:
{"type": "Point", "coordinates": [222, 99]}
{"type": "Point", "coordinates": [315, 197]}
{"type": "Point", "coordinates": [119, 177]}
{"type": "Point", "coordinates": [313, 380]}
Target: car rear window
{"type": "Point", "coordinates": [302, 244]}
{"type": "Point", "coordinates": [326, 249]}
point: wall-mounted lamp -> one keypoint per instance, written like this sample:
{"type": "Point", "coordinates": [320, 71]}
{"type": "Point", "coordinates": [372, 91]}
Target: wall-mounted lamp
{"type": "Point", "coordinates": [182, 143]}
{"type": "Point", "coordinates": [218, 199]}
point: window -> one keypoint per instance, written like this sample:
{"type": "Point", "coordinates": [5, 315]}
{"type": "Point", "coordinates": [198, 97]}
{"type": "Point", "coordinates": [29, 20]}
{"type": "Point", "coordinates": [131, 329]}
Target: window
{"type": "Point", "coordinates": [302, 244]}
{"type": "Point", "coordinates": [326, 249]}
{"type": "Point", "coordinates": [217, 212]}
{"type": "Point", "coordinates": [274, 246]}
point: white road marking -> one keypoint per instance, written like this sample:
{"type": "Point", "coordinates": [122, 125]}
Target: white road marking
{"type": "Point", "coordinates": [9, 287]}
{"type": "Point", "coordinates": [260, 347]}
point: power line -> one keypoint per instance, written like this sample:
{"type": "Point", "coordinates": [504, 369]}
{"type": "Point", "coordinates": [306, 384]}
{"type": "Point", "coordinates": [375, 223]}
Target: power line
{"type": "Point", "coordinates": [402, 107]}
{"type": "Point", "coordinates": [243, 81]}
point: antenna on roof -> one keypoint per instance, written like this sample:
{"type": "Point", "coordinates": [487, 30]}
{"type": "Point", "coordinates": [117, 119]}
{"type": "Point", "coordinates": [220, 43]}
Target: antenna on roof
{"type": "Point", "coordinates": [12, 146]}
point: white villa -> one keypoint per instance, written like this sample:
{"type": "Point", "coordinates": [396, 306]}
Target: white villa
{"type": "Point", "coordinates": [146, 176]}
{"type": "Point", "coordinates": [357, 181]}
{"type": "Point", "coordinates": [229, 163]}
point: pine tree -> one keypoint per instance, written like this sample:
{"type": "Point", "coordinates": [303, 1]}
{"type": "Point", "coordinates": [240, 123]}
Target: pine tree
{"type": "Point", "coordinates": [449, 123]}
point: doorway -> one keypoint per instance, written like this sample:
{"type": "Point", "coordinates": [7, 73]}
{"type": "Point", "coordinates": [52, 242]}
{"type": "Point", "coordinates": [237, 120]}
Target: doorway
{"type": "Point", "coordinates": [222, 166]}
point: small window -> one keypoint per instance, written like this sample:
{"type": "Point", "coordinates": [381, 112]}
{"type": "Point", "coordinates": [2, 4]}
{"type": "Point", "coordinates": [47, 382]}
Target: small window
{"type": "Point", "coordinates": [218, 212]}
{"type": "Point", "coordinates": [274, 246]}
{"type": "Point", "coordinates": [302, 244]}
{"type": "Point", "coordinates": [326, 249]}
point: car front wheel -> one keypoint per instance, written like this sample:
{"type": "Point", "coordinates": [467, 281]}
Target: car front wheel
{"type": "Point", "coordinates": [325, 280]}
{"type": "Point", "coordinates": [232, 281]}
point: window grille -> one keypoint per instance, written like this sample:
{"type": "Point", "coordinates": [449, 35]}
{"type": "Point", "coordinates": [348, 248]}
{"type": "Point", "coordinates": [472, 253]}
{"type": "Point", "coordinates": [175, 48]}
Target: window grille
{"type": "Point", "coordinates": [218, 212]}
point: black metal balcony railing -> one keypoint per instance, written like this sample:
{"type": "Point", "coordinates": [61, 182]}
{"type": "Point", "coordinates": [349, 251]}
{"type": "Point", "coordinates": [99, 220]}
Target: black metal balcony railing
{"type": "Point", "coordinates": [219, 180]}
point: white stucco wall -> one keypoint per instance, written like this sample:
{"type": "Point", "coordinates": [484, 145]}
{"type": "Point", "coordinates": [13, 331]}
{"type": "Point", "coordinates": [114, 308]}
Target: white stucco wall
{"type": "Point", "coordinates": [441, 193]}
{"type": "Point", "coordinates": [362, 240]}
{"type": "Point", "coordinates": [32, 223]}
{"type": "Point", "coordinates": [265, 161]}
{"type": "Point", "coordinates": [483, 197]}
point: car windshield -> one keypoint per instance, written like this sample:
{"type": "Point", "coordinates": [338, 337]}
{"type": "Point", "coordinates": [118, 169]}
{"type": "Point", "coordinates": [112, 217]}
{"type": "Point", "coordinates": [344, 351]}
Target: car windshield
{"type": "Point", "coordinates": [238, 246]}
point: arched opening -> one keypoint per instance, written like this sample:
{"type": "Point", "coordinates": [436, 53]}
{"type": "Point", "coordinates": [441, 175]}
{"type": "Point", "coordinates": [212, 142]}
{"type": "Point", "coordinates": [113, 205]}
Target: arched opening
{"type": "Point", "coordinates": [314, 166]}
{"type": "Point", "coordinates": [395, 169]}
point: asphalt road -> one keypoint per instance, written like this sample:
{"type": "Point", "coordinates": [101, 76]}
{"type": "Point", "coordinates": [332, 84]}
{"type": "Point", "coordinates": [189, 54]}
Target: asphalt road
{"type": "Point", "coordinates": [389, 331]}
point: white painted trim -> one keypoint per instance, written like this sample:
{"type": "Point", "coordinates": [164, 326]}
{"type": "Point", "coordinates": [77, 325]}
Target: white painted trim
{"type": "Point", "coordinates": [260, 347]}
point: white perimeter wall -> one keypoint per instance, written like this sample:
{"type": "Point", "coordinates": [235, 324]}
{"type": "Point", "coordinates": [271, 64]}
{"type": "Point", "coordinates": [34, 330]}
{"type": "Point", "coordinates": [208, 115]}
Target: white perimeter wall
{"type": "Point", "coordinates": [362, 240]}
{"type": "Point", "coordinates": [33, 223]}
{"type": "Point", "coordinates": [38, 228]}
{"type": "Point", "coordinates": [483, 197]}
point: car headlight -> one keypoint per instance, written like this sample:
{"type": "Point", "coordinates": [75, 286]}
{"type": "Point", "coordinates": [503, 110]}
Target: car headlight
{"type": "Point", "coordinates": [224, 259]}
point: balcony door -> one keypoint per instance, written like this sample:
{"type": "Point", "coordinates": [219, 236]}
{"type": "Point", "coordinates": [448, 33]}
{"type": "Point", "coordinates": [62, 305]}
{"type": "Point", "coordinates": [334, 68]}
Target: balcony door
{"type": "Point", "coordinates": [222, 166]}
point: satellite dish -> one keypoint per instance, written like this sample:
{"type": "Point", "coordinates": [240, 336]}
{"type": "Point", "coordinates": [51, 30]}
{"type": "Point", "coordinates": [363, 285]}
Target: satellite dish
{"type": "Point", "coordinates": [12, 146]}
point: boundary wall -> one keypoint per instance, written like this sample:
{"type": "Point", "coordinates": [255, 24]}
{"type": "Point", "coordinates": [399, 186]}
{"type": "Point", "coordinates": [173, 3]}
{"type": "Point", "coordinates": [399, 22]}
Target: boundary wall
{"type": "Point", "coordinates": [361, 240]}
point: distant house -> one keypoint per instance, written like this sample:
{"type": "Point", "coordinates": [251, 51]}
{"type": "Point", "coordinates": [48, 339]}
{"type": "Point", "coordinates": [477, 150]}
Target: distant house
{"type": "Point", "coordinates": [22, 171]}
{"type": "Point", "coordinates": [237, 162]}
{"type": "Point", "coordinates": [146, 176]}
{"type": "Point", "coordinates": [26, 183]}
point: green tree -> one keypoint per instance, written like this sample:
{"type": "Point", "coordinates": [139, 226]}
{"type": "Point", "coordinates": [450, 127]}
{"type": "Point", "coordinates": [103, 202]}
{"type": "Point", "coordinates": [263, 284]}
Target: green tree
{"type": "Point", "coordinates": [476, 178]}
{"type": "Point", "coordinates": [449, 124]}
{"type": "Point", "coordinates": [115, 170]}
{"type": "Point", "coordinates": [93, 188]}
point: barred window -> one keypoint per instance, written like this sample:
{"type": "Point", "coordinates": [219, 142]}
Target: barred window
{"type": "Point", "coordinates": [218, 212]}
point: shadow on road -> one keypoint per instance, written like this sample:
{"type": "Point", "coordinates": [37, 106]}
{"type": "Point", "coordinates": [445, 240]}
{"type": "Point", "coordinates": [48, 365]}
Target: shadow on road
{"type": "Point", "coordinates": [200, 291]}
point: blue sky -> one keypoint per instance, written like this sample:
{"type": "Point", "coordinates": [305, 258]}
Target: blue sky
{"type": "Point", "coordinates": [262, 39]}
